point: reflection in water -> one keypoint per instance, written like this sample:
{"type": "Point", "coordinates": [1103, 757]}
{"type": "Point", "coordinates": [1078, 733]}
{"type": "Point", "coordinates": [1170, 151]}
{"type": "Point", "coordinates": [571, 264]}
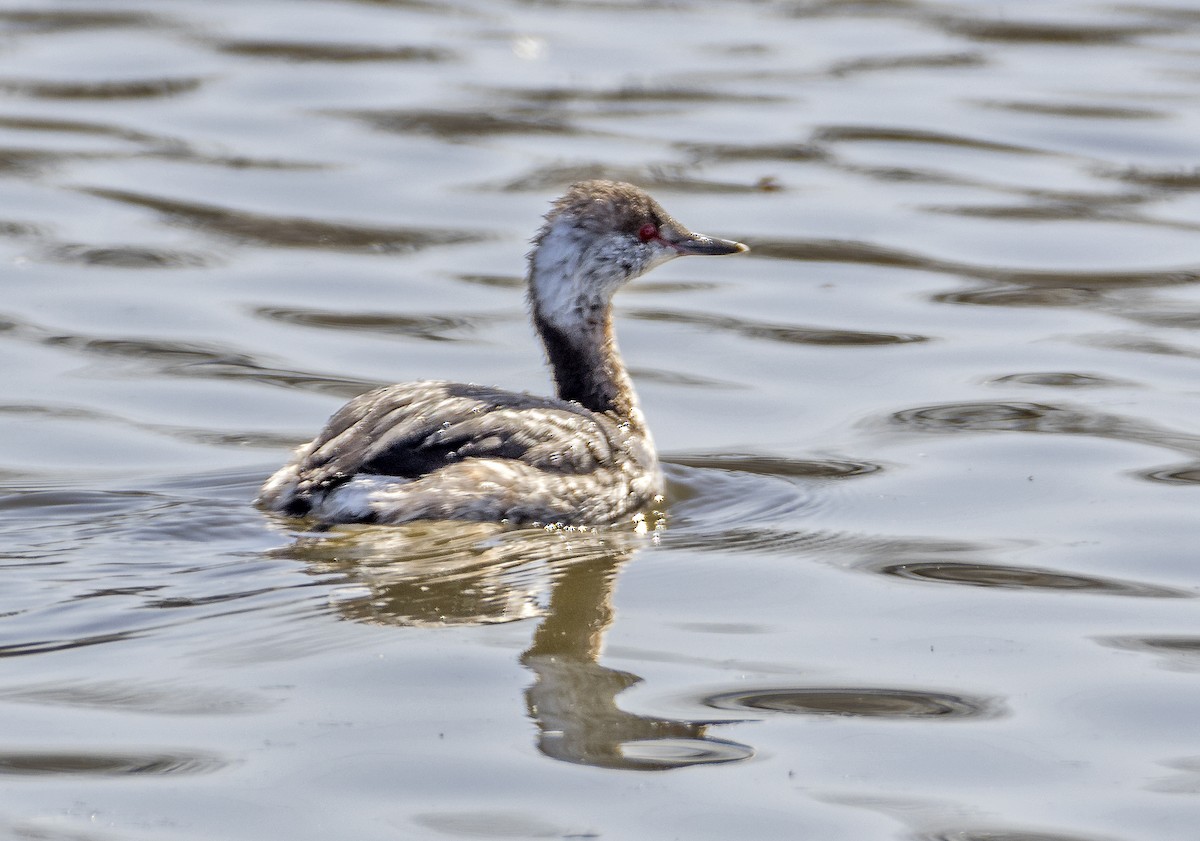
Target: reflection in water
{"type": "Point", "coordinates": [437, 574]}
{"type": "Point", "coordinates": [441, 574]}
{"type": "Point", "coordinates": [574, 697]}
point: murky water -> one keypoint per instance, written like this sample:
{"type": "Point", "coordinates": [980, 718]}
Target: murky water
{"type": "Point", "coordinates": [930, 564]}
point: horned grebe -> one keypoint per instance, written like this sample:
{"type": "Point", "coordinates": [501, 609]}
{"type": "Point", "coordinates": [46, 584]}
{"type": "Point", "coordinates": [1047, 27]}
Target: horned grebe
{"type": "Point", "coordinates": [449, 451]}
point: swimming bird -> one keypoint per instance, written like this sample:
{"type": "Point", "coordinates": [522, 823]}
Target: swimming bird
{"type": "Point", "coordinates": [433, 450]}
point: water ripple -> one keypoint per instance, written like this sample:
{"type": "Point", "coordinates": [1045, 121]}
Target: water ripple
{"type": "Point", "coordinates": [857, 702]}
{"type": "Point", "coordinates": [870, 254]}
{"type": "Point", "coordinates": [464, 125]}
{"type": "Point", "coordinates": [1040, 32]}
{"type": "Point", "coordinates": [1060, 379]}
{"type": "Point", "coordinates": [776, 465]}
{"type": "Point", "coordinates": [102, 90]}
{"type": "Point", "coordinates": [306, 51]}
{"type": "Point", "coordinates": [29, 161]}
{"type": "Point", "coordinates": [127, 256]}
{"type": "Point", "coordinates": [1185, 778]}
{"type": "Point", "coordinates": [64, 20]}
{"type": "Point", "coordinates": [892, 63]}
{"type": "Point", "coordinates": [1001, 834]}
{"type": "Point", "coordinates": [433, 328]}
{"type": "Point", "coordinates": [1019, 296]}
{"type": "Point", "coordinates": [1178, 651]}
{"type": "Point", "coordinates": [882, 134]}
{"type": "Point", "coordinates": [140, 697]}
{"type": "Point", "coordinates": [1167, 180]}
{"type": "Point", "coordinates": [289, 232]}
{"type": "Point", "coordinates": [47, 763]}
{"type": "Point", "coordinates": [752, 152]}
{"type": "Point", "coordinates": [32, 162]}
{"type": "Point", "coordinates": [1042, 418]}
{"type": "Point", "coordinates": [676, 179]}
{"type": "Point", "coordinates": [718, 504]}
{"type": "Point", "coordinates": [1140, 343]}
{"type": "Point", "coordinates": [1177, 474]}
{"type": "Point", "coordinates": [1019, 578]}
{"type": "Point", "coordinates": [646, 754]}
{"type": "Point", "coordinates": [1038, 211]}
{"type": "Point", "coordinates": [785, 333]}
{"type": "Point", "coordinates": [55, 124]}
{"type": "Point", "coordinates": [195, 359]}
{"type": "Point", "coordinates": [46, 646]}
{"type": "Point", "coordinates": [1078, 110]}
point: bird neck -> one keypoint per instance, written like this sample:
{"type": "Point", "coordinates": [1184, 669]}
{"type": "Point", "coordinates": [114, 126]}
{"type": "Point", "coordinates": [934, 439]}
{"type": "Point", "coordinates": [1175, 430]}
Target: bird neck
{"type": "Point", "coordinates": [588, 368]}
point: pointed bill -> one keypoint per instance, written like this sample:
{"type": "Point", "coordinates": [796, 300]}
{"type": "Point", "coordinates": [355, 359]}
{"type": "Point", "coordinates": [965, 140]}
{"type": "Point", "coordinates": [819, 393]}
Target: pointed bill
{"type": "Point", "coordinates": [687, 242]}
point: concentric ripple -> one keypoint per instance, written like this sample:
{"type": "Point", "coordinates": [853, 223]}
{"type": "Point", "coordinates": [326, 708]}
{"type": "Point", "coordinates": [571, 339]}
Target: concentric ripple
{"type": "Point", "coordinates": [857, 702]}
{"type": "Point", "coordinates": [647, 754]}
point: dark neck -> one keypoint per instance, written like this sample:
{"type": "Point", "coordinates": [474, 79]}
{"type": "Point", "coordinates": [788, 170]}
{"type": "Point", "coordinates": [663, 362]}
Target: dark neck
{"type": "Point", "coordinates": [588, 369]}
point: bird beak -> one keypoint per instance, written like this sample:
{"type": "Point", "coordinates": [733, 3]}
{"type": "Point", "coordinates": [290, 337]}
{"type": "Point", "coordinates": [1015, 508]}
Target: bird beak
{"type": "Point", "coordinates": [686, 242]}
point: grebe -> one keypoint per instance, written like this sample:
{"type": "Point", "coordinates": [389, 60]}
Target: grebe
{"type": "Point", "coordinates": [450, 451]}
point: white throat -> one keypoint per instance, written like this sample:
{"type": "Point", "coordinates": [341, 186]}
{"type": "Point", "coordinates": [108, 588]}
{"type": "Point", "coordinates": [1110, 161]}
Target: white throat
{"type": "Point", "coordinates": [574, 272]}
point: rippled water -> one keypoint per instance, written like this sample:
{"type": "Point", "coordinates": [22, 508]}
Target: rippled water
{"type": "Point", "coordinates": [928, 569]}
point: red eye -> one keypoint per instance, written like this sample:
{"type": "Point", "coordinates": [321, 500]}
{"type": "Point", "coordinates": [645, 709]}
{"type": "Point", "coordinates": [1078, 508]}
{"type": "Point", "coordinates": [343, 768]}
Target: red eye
{"type": "Point", "coordinates": [648, 232]}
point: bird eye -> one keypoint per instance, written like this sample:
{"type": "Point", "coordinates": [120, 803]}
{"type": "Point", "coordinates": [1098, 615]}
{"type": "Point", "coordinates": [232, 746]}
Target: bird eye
{"type": "Point", "coordinates": [648, 232]}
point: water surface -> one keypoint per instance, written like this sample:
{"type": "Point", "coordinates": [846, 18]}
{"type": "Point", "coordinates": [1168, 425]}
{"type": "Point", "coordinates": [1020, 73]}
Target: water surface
{"type": "Point", "coordinates": [928, 563]}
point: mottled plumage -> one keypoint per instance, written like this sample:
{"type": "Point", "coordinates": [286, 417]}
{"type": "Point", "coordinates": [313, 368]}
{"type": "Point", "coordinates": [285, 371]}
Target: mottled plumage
{"type": "Point", "coordinates": [437, 450]}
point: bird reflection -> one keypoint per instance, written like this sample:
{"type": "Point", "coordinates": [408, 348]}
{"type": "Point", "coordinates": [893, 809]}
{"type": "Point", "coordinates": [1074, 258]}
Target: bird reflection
{"type": "Point", "coordinates": [447, 574]}
{"type": "Point", "coordinates": [574, 699]}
